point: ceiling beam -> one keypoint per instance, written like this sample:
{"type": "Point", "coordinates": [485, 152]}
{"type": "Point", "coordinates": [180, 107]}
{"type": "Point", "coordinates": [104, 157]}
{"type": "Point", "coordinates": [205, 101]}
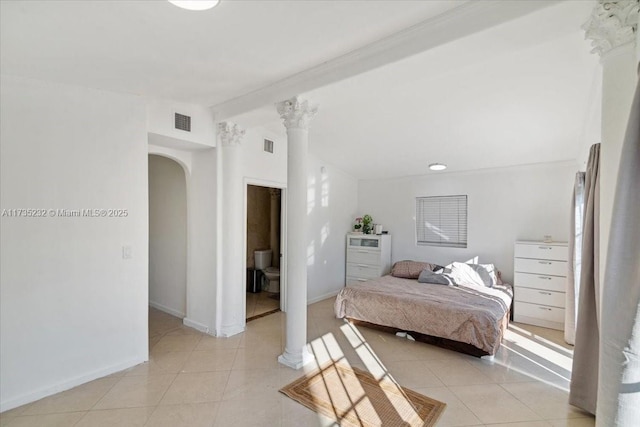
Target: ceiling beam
{"type": "Point", "coordinates": [464, 20]}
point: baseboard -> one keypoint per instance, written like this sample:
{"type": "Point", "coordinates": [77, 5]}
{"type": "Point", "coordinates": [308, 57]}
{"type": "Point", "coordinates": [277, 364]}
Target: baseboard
{"type": "Point", "coordinates": [323, 297]}
{"type": "Point", "coordinates": [229, 331]}
{"type": "Point", "coordinates": [11, 403]}
{"type": "Point", "coordinates": [195, 325]}
{"type": "Point", "coordinates": [168, 310]}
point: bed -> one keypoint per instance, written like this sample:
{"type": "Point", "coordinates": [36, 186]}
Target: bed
{"type": "Point", "coordinates": [472, 316]}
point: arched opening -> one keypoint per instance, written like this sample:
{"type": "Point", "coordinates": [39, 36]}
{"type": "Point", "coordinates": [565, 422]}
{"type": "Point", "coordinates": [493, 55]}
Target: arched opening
{"type": "Point", "coordinates": [167, 236]}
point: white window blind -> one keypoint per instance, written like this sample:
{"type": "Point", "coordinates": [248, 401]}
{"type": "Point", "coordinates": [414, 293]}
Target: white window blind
{"type": "Point", "coordinates": [442, 221]}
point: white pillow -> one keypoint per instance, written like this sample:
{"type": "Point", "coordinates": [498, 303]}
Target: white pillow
{"type": "Point", "coordinates": [473, 274]}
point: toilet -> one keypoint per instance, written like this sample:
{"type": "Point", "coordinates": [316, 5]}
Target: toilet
{"type": "Point", "coordinates": [271, 274]}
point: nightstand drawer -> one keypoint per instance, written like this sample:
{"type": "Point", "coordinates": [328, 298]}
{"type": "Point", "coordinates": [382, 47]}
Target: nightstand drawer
{"type": "Point", "coordinates": [363, 256]}
{"type": "Point", "coordinates": [542, 297]}
{"type": "Point", "coordinates": [540, 281]}
{"type": "Point", "coordinates": [543, 267]}
{"type": "Point", "coordinates": [363, 271]}
{"type": "Point", "coordinates": [535, 311]}
{"type": "Point", "coordinates": [541, 251]}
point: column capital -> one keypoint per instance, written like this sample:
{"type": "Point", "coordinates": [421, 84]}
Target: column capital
{"type": "Point", "coordinates": [230, 134]}
{"type": "Point", "coordinates": [612, 23]}
{"type": "Point", "coordinates": [296, 113]}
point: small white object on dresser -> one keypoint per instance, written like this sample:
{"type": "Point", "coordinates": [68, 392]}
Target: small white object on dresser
{"type": "Point", "coordinates": [540, 283]}
{"type": "Point", "coordinates": [368, 257]}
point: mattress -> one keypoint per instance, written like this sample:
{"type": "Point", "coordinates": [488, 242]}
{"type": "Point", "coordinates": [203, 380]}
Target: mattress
{"type": "Point", "coordinates": [474, 315]}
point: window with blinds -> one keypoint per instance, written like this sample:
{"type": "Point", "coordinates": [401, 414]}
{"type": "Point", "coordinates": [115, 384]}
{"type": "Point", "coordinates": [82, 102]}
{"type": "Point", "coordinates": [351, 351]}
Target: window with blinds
{"type": "Point", "coordinates": [442, 221]}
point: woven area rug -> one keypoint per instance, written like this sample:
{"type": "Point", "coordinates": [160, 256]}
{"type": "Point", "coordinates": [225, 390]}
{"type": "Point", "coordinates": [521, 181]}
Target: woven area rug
{"type": "Point", "coordinates": [353, 398]}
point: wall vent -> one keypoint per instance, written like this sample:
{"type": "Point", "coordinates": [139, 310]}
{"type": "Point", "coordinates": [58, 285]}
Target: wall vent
{"type": "Point", "coordinates": [268, 146]}
{"type": "Point", "coordinates": [183, 122]}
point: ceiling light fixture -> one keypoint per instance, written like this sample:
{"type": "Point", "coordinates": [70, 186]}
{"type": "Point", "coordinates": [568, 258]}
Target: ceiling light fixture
{"type": "Point", "coordinates": [195, 4]}
{"type": "Point", "coordinates": [437, 166]}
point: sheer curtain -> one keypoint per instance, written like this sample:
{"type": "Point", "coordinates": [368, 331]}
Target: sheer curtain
{"type": "Point", "coordinates": [583, 391]}
{"type": "Point", "coordinates": [619, 386]}
{"type": "Point", "coordinates": [575, 259]}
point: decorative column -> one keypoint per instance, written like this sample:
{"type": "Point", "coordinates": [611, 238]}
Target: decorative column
{"type": "Point", "coordinates": [613, 28]}
{"type": "Point", "coordinates": [230, 290]}
{"type": "Point", "coordinates": [274, 237]}
{"type": "Point", "coordinates": [296, 115]}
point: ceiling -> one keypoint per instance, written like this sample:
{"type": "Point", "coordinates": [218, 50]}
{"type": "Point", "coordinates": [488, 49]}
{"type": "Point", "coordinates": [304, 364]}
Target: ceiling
{"type": "Point", "coordinates": [518, 93]}
{"type": "Point", "coordinates": [155, 49]}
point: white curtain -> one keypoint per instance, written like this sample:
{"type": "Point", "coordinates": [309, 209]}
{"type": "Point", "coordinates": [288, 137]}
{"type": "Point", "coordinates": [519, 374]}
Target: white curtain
{"type": "Point", "coordinates": [575, 259]}
{"type": "Point", "coordinates": [619, 384]}
{"type": "Point", "coordinates": [583, 390]}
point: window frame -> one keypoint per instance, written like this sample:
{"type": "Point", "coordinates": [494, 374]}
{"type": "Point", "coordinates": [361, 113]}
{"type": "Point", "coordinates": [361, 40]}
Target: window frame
{"type": "Point", "coordinates": [459, 214]}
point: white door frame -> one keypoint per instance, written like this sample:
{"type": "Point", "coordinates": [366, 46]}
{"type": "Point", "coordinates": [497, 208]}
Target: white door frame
{"type": "Point", "coordinates": [283, 239]}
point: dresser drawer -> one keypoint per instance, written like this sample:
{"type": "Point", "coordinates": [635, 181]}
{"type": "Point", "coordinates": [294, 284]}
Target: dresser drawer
{"type": "Point", "coordinates": [537, 296]}
{"type": "Point", "coordinates": [541, 251]}
{"type": "Point", "coordinates": [370, 242]}
{"type": "Point", "coordinates": [543, 267]}
{"type": "Point", "coordinates": [533, 314]}
{"type": "Point", "coordinates": [540, 281]}
{"type": "Point", "coordinates": [363, 271]}
{"type": "Point", "coordinates": [354, 280]}
{"type": "Point", "coordinates": [363, 256]}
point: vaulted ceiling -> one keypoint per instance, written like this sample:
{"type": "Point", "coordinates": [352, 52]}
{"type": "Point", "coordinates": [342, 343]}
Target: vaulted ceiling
{"type": "Point", "coordinates": [400, 84]}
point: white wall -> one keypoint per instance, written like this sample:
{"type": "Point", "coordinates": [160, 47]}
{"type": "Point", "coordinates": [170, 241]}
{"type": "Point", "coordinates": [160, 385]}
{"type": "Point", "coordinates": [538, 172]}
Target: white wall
{"type": "Point", "coordinates": [202, 241]}
{"type": "Point", "coordinates": [260, 165]}
{"type": "Point", "coordinates": [503, 205]}
{"type": "Point", "coordinates": [161, 122]}
{"type": "Point", "coordinates": [332, 207]}
{"type": "Point", "coordinates": [71, 308]}
{"type": "Point", "coordinates": [167, 236]}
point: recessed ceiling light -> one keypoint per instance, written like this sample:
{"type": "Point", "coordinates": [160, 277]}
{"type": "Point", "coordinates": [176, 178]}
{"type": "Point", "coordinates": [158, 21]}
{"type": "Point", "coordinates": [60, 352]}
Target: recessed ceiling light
{"type": "Point", "coordinates": [437, 167]}
{"type": "Point", "coordinates": [195, 4]}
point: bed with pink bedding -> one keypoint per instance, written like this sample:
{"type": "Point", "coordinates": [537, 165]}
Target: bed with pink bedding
{"type": "Point", "coordinates": [470, 314]}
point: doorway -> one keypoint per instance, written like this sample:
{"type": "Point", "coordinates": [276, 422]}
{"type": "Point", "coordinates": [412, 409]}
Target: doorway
{"type": "Point", "coordinates": [167, 236]}
{"type": "Point", "coordinates": [263, 250]}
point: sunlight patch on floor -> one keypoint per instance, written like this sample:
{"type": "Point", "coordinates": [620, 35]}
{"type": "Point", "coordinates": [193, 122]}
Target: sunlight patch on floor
{"type": "Point", "coordinates": [327, 351]}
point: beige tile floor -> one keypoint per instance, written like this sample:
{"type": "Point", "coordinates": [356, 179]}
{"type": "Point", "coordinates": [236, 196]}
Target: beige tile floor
{"type": "Point", "coordinates": [193, 379]}
{"type": "Point", "coordinates": [261, 302]}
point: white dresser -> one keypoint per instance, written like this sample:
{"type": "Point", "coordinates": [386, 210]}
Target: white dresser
{"type": "Point", "coordinates": [540, 283]}
{"type": "Point", "coordinates": [368, 257]}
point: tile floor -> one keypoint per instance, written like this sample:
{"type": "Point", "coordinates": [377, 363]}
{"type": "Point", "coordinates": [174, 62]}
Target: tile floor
{"type": "Point", "coordinates": [197, 380]}
{"type": "Point", "coordinates": [260, 303]}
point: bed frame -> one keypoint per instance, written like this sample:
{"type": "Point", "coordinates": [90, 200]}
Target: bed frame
{"type": "Point", "coordinates": [445, 343]}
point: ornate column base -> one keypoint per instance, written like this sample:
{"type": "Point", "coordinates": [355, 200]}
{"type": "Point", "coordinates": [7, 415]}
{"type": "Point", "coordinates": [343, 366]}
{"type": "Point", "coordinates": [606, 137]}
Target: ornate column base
{"type": "Point", "coordinates": [295, 360]}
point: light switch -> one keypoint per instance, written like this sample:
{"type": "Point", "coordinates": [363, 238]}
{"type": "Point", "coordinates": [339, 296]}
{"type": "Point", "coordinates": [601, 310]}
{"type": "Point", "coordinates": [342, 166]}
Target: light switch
{"type": "Point", "coordinates": [126, 252]}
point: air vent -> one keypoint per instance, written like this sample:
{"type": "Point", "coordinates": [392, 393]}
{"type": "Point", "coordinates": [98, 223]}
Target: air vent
{"type": "Point", "coordinates": [268, 146]}
{"type": "Point", "coordinates": [183, 122]}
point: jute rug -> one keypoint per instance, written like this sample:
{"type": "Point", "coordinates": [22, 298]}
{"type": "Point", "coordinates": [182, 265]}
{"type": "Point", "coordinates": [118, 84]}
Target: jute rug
{"type": "Point", "coordinates": [354, 398]}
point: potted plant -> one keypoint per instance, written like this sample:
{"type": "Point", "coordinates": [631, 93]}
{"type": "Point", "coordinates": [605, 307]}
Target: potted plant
{"type": "Point", "coordinates": [366, 224]}
{"type": "Point", "coordinates": [358, 225]}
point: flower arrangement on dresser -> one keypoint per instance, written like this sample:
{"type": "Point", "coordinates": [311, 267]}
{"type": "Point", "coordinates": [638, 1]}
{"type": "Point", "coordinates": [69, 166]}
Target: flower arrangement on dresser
{"type": "Point", "coordinates": [364, 224]}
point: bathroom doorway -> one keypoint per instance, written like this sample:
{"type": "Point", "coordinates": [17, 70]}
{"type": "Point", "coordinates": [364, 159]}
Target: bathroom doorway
{"type": "Point", "coordinates": [263, 250]}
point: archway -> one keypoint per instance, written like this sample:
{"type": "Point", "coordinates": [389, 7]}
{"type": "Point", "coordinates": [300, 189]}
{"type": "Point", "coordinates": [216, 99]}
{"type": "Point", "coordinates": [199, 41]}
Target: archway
{"type": "Point", "coordinates": [167, 236]}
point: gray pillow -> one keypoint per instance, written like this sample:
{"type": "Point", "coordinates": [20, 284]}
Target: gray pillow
{"type": "Point", "coordinates": [428, 276]}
